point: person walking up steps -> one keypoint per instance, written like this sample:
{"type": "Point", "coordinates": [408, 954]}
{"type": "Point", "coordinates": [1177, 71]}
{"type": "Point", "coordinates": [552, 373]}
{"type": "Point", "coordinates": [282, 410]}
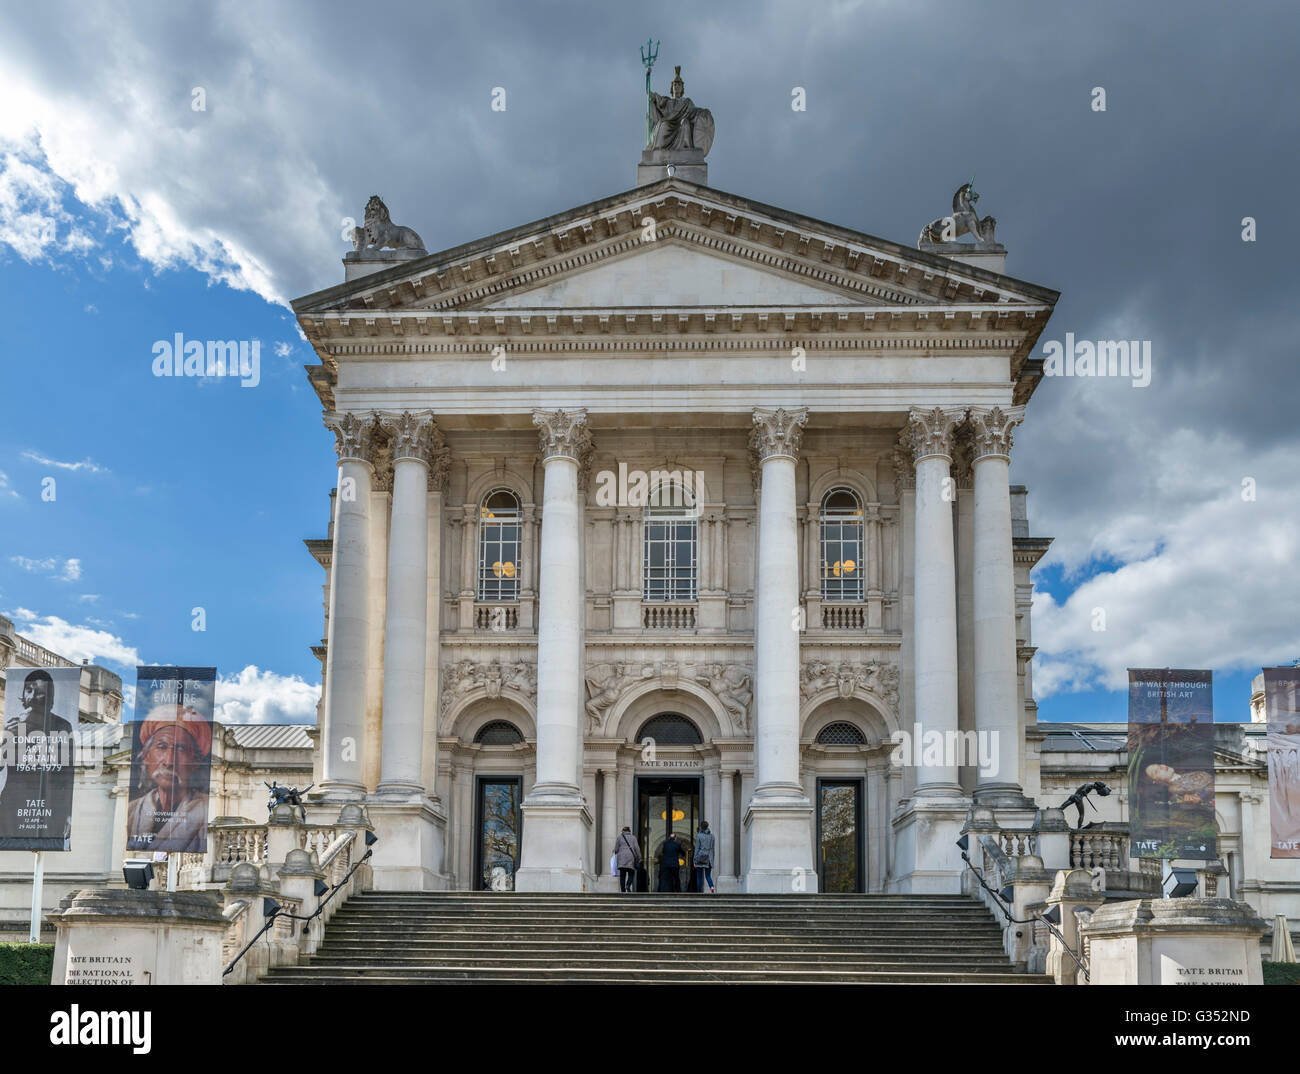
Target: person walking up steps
{"type": "Point", "coordinates": [704, 844]}
{"type": "Point", "coordinates": [629, 858]}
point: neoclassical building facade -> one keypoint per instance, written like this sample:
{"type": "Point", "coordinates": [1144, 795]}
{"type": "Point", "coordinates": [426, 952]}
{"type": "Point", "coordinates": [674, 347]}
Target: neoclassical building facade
{"type": "Point", "coordinates": [675, 507]}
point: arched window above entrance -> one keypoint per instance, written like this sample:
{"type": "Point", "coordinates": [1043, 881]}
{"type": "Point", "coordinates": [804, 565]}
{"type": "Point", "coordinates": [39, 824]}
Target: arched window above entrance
{"type": "Point", "coordinates": [669, 729]}
{"type": "Point", "coordinates": [841, 733]}
{"type": "Point", "coordinates": [842, 549]}
{"type": "Point", "coordinates": [498, 547]}
{"type": "Point", "coordinates": [498, 733]}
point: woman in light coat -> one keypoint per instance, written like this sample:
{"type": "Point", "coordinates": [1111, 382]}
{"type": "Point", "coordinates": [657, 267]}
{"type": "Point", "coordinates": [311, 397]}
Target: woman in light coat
{"type": "Point", "coordinates": [628, 853]}
{"type": "Point", "coordinates": [704, 844]}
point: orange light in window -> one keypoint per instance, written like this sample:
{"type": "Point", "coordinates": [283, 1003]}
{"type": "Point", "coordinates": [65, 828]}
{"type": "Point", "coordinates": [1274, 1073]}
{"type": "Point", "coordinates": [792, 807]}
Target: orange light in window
{"type": "Point", "coordinates": [677, 815]}
{"type": "Point", "coordinates": [503, 570]}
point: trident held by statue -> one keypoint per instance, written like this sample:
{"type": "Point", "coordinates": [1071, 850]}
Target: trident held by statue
{"type": "Point", "coordinates": [649, 53]}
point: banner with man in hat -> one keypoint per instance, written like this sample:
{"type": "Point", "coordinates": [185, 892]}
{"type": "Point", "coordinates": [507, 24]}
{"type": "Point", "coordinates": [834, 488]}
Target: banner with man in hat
{"type": "Point", "coordinates": [36, 758]}
{"type": "Point", "coordinates": [171, 759]}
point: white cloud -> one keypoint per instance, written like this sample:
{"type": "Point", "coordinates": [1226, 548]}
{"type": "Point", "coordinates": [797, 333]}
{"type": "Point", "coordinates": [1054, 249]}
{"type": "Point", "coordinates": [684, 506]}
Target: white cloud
{"type": "Point", "coordinates": [74, 642]}
{"type": "Point", "coordinates": [1206, 578]}
{"type": "Point", "coordinates": [71, 571]}
{"type": "Point", "coordinates": [88, 465]}
{"type": "Point", "coordinates": [283, 350]}
{"type": "Point", "coordinates": [33, 220]}
{"type": "Point", "coordinates": [5, 489]}
{"type": "Point", "coordinates": [34, 565]}
{"type": "Point", "coordinates": [88, 598]}
{"type": "Point", "coordinates": [255, 696]}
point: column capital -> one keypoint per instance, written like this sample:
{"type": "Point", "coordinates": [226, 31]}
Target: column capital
{"type": "Point", "coordinates": [409, 434]}
{"type": "Point", "coordinates": [991, 430]}
{"type": "Point", "coordinates": [564, 434]}
{"type": "Point", "coordinates": [930, 432]}
{"type": "Point", "coordinates": [777, 433]}
{"type": "Point", "coordinates": [354, 435]}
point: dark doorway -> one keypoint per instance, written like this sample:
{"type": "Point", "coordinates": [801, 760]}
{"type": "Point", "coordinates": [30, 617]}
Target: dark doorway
{"type": "Point", "coordinates": [663, 806]}
{"type": "Point", "coordinates": [839, 836]}
{"type": "Point", "coordinates": [498, 827]}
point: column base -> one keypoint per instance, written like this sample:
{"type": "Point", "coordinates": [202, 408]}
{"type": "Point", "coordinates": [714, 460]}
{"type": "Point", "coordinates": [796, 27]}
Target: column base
{"type": "Point", "coordinates": [779, 834]}
{"type": "Point", "coordinates": [409, 854]}
{"type": "Point", "coordinates": [556, 824]}
{"type": "Point", "coordinates": [926, 858]}
{"type": "Point", "coordinates": [1003, 796]}
{"type": "Point", "coordinates": [338, 791]}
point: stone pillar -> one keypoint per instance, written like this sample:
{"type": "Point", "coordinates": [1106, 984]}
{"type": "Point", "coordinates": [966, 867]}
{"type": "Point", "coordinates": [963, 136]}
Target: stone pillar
{"type": "Point", "coordinates": [609, 828]}
{"type": "Point", "coordinates": [926, 828]}
{"type": "Point", "coordinates": [343, 736]}
{"type": "Point", "coordinates": [935, 613]}
{"type": "Point", "coordinates": [555, 815]}
{"type": "Point", "coordinates": [778, 821]}
{"type": "Point", "coordinates": [996, 705]}
{"type": "Point", "coordinates": [726, 825]}
{"type": "Point", "coordinates": [409, 854]}
{"type": "Point", "coordinates": [408, 585]}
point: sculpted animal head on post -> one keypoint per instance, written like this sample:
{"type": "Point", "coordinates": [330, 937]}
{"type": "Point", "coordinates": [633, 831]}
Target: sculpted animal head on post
{"type": "Point", "coordinates": [379, 231]}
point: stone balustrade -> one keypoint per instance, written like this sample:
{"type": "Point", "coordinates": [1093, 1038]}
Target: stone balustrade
{"type": "Point", "coordinates": [496, 617]}
{"type": "Point", "coordinates": [844, 617]}
{"type": "Point", "coordinates": [668, 616]}
{"type": "Point", "coordinates": [325, 852]}
{"type": "Point", "coordinates": [1090, 849]}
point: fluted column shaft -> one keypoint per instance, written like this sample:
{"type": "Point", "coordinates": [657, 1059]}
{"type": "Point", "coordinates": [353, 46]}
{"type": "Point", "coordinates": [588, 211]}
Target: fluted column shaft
{"type": "Point", "coordinates": [935, 603]}
{"type": "Point", "coordinates": [407, 615]}
{"type": "Point", "coordinates": [343, 734]}
{"type": "Point", "coordinates": [996, 715]}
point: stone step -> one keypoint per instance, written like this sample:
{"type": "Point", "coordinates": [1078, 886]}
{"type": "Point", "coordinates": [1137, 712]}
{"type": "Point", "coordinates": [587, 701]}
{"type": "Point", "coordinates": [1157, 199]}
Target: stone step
{"type": "Point", "coordinates": [378, 974]}
{"type": "Point", "coordinates": [563, 945]}
{"type": "Point", "coordinates": [701, 960]}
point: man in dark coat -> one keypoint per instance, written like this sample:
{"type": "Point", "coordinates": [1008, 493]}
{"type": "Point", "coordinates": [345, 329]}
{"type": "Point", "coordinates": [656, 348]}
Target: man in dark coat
{"type": "Point", "coordinates": [670, 875]}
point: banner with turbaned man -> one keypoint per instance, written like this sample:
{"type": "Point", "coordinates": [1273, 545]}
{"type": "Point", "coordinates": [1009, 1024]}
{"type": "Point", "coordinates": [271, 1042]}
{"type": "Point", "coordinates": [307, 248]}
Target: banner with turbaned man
{"type": "Point", "coordinates": [171, 759]}
{"type": "Point", "coordinates": [1171, 764]}
{"type": "Point", "coordinates": [1282, 707]}
{"type": "Point", "coordinates": [36, 757]}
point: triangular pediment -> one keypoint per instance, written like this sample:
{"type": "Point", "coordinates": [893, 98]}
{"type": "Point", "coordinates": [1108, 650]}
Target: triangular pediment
{"type": "Point", "coordinates": [670, 273]}
{"type": "Point", "coordinates": [705, 248]}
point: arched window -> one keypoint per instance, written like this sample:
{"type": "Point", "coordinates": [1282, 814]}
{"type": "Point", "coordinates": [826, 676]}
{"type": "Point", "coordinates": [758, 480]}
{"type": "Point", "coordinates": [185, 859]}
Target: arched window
{"type": "Point", "coordinates": [670, 729]}
{"type": "Point", "coordinates": [841, 733]}
{"type": "Point", "coordinates": [671, 553]}
{"type": "Point", "coordinates": [841, 535]}
{"type": "Point", "coordinates": [498, 733]}
{"type": "Point", "coordinates": [498, 547]}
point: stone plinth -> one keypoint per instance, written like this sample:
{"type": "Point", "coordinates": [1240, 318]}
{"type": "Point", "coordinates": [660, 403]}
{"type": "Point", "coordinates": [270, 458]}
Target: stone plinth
{"type": "Point", "coordinates": [991, 256]}
{"type": "Point", "coordinates": [364, 262]}
{"type": "Point", "coordinates": [408, 856]}
{"type": "Point", "coordinates": [115, 936]}
{"type": "Point", "coordinates": [1175, 941]}
{"type": "Point", "coordinates": [659, 164]}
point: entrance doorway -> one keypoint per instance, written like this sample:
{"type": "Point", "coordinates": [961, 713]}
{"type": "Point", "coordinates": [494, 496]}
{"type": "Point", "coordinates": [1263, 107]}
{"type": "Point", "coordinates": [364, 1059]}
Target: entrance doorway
{"type": "Point", "coordinates": [498, 827]}
{"type": "Point", "coordinates": [839, 836]}
{"type": "Point", "coordinates": [663, 806]}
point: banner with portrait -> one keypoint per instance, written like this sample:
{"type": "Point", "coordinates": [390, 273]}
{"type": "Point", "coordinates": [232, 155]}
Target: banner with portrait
{"type": "Point", "coordinates": [1171, 764]}
{"type": "Point", "coordinates": [1282, 707]}
{"type": "Point", "coordinates": [36, 757]}
{"type": "Point", "coordinates": [171, 759]}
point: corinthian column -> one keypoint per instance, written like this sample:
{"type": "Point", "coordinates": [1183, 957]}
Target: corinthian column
{"type": "Point", "coordinates": [556, 818]}
{"type": "Point", "coordinates": [935, 608]}
{"type": "Point", "coordinates": [407, 606]}
{"type": "Point", "coordinates": [343, 735]}
{"type": "Point", "coordinates": [997, 717]}
{"type": "Point", "coordinates": [778, 822]}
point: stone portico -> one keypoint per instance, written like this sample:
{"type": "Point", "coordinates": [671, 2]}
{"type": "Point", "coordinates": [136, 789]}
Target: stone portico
{"type": "Point", "coordinates": [511, 613]}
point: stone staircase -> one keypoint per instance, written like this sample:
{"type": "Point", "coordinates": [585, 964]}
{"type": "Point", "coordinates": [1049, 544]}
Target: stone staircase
{"type": "Point", "coordinates": [499, 937]}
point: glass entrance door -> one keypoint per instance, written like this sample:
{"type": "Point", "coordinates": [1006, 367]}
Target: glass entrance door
{"type": "Point", "coordinates": [498, 826]}
{"type": "Point", "coordinates": [839, 835]}
{"type": "Point", "coordinates": [663, 806]}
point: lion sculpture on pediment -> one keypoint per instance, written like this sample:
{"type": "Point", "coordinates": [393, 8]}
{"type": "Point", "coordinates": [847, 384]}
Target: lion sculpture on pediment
{"type": "Point", "coordinates": [379, 231]}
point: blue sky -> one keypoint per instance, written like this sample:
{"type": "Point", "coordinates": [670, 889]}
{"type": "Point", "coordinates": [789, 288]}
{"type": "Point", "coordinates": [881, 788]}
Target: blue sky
{"type": "Point", "coordinates": [127, 216]}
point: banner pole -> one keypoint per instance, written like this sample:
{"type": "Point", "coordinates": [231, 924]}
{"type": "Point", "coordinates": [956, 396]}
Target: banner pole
{"type": "Point", "coordinates": [38, 882]}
